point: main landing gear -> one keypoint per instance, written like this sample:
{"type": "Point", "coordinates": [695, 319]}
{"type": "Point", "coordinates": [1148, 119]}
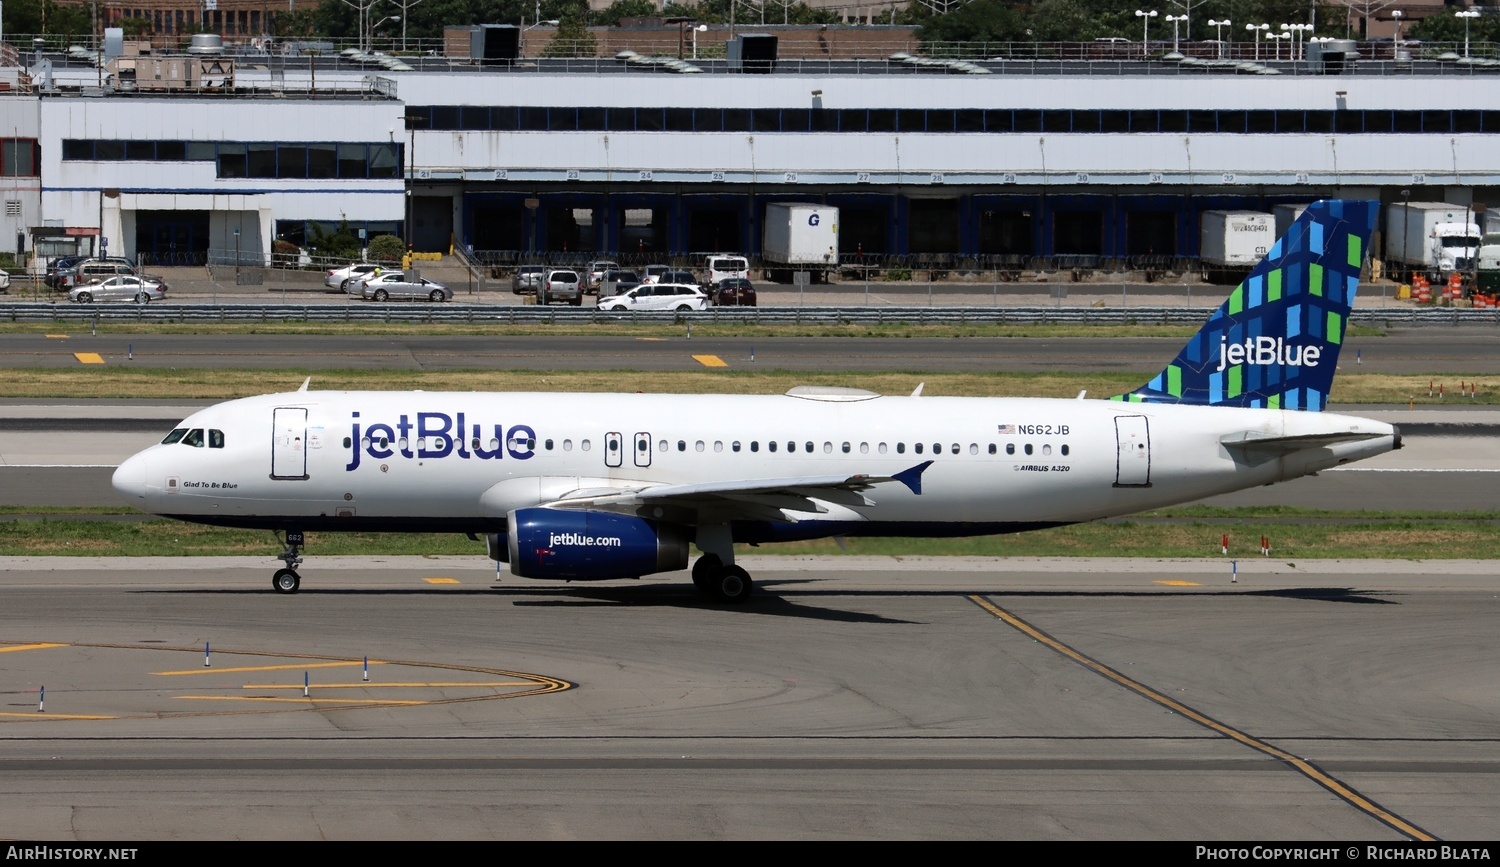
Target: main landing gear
{"type": "Point", "coordinates": [724, 583]}
{"type": "Point", "coordinates": [287, 580]}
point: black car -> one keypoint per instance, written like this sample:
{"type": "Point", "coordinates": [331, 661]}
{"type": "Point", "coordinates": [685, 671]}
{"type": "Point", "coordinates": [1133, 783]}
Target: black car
{"type": "Point", "coordinates": [734, 292]}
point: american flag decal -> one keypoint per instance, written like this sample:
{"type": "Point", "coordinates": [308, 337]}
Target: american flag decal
{"type": "Point", "coordinates": [1005, 429]}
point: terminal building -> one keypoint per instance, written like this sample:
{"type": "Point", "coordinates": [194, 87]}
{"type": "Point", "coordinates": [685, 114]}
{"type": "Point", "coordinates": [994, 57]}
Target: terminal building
{"type": "Point", "coordinates": [1087, 162]}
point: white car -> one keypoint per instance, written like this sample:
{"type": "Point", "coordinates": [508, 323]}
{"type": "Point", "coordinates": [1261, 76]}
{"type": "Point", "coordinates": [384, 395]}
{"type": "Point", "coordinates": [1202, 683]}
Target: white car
{"type": "Point", "coordinates": [394, 286]}
{"type": "Point", "coordinates": [595, 273]}
{"type": "Point", "coordinates": [4, 281]}
{"type": "Point", "coordinates": [341, 278]}
{"type": "Point", "coordinates": [658, 296]}
{"type": "Point", "coordinates": [141, 290]}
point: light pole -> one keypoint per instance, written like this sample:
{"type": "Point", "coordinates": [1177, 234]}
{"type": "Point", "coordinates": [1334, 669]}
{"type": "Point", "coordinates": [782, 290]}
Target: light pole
{"type": "Point", "coordinates": [1257, 29]}
{"type": "Point", "coordinates": [1278, 37]}
{"type": "Point", "coordinates": [376, 26]}
{"type": "Point", "coordinates": [1298, 33]}
{"type": "Point", "coordinates": [1467, 14]}
{"type": "Point", "coordinates": [1396, 16]}
{"type": "Point", "coordinates": [1145, 25]}
{"type": "Point", "coordinates": [1219, 32]}
{"type": "Point", "coordinates": [524, 28]}
{"type": "Point", "coordinates": [703, 28]}
{"type": "Point", "coordinates": [1175, 19]}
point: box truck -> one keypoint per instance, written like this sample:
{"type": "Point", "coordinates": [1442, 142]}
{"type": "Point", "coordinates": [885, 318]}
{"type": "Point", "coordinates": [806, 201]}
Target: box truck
{"type": "Point", "coordinates": [1430, 238]}
{"type": "Point", "coordinates": [1230, 243]}
{"type": "Point", "coordinates": [800, 237]}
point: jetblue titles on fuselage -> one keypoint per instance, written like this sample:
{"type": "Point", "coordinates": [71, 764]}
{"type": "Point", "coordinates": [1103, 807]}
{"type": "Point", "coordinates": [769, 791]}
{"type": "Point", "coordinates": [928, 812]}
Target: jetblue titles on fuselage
{"type": "Point", "coordinates": [438, 435]}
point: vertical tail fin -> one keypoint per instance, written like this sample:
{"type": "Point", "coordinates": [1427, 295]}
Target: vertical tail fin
{"type": "Point", "coordinates": [1275, 342]}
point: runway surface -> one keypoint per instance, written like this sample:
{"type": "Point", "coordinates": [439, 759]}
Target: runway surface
{"type": "Point", "coordinates": [880, 698]}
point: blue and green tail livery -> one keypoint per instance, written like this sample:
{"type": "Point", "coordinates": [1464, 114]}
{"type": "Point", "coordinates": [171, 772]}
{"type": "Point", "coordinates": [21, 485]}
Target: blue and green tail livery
{"type": "Point", "coordinates": [1275, 343]}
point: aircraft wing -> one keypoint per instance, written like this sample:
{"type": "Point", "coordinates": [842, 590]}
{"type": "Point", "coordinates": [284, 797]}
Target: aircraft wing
{"type": "Point", "coordinates": [742, 499]}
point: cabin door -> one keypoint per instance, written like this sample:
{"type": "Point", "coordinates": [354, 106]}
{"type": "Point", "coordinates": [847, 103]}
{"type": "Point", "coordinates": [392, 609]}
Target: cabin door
{"type": "Point", "coordinates": [612, 452]}
{"type": "Point", "coordinates": [1133, 453]}
{"type": "Point", "coordinates": [643, 449]}
{"type": "Point", "coordinates": [289, 442]}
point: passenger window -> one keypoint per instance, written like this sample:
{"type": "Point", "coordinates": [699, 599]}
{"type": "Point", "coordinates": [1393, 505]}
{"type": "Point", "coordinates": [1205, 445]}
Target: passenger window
{"type": "Point", "coordinates": [735, 446]}
{"type": "Point", "coordinates": [216, 439]}
{"type": "Point", "coordinates": [1065, 449]}
{"type": "Point", "coordinates": [900, 448]}
{"type": "Point", "coordinates": [585, 445]}
{"type": "Point", "coordinates": [1010, 448]}
{"type": "Point", "coordinates": [548, 445]}
{"type": "Point", "coordinates": [846, 448]}
{"type": "Point", "coordinates": [1047, 449]}
{"type": "Point", "coordinates": [882, 448]}
{"type": "Point", "coordinates": [864, 448]}
{"type": "Point", "coordinates": [174, 436]}
{"type": "Point", "coordinates": [973, 449]}
{"type": "Point", "coordinates": [809, 448]}
{"type": "Point", "coordinates": [754, 445]}
{"type": "Point", "coordinates": [827, 448]}
{"type": "Point", "coordinates": [992, 448]}
{"type": "Point", "coordinates": [194, 438]}
{"type": "Point", "coordinates": [1028, 448]}
{"type": "Point", "coordinates": [698, 446]}
{"type": "Point", "coordinates": [567, 445]}
{"type": "Point", "coordinates": [937, 448]}
{"type": "Point", "coordinates": [955, 448]}
{"type": "Point", "coordinates": [770, 445]}
{"type": "Point", "coordinates": [682, 445]}
{"type": "Point", "coordinates": [348, 442]}
{"type": "Point", "coordinates": [719, 446]}
{"type": "Point", "coordinates": [661, 445]}
{"type": "Point", "coordinates": [917, 447]}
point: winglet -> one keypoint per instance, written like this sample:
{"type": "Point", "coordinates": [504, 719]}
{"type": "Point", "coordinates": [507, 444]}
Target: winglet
{"type": "Point", "coordinates": [912, 477]}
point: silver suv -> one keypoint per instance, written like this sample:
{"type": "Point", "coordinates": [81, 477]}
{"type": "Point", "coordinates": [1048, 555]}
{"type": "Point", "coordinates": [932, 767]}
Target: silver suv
{"type": "Point", "coordinates": [91, 270]}
{"type": "Point", "coordinates": [526, 279]}
{"type": "Point", "coordinates": [560, 284]}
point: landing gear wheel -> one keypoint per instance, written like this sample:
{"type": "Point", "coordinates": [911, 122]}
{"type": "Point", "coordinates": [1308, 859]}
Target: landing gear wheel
{"type": "Point", "coordinates": [705, 571]}
{"type": "Point", "coordinates": [732, 584]}
{"type": "Point", "coordinates": [286, 581]}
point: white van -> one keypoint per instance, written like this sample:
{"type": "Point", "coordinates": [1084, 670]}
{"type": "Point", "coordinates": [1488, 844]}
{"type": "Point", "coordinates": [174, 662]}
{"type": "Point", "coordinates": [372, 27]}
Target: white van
{"type": "Point", "coordinates": [721, 266]}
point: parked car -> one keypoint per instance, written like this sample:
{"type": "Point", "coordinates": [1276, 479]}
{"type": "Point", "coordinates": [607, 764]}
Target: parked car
{"type": "Point", "coordinates": [652, 273]}
{"type": "Point", "coordinates": [658, 296]}
{"type": "Point", "coordinates": [91, 270]}
{"type": "Point", "coordinates": [397, 286]}
{"type": "Point", "coordinates": [722, 266]}
{"type": "Point", "coordinates": [734, 292]}
{"type": "Point", "coordinates": [57, 267]}
{"type": "Point", "coordinates": [526, 279]}
{"type": "Point", "coordinates": [595, 272]}
{"type": "Point", "coordinates": [4, 281]}
{"type": "Point", "coordinates": [616, 282]}
{"type": "Point", "coordinates": [355, 285]}
{"type": "Point", "coordinates": [677, 276]}
{"type": "Point", "coordinates": [124, 287]}
{"type": "Point", "coordinates": [340, 278]}
{"type": "Point", "coordinates": [560, 284]}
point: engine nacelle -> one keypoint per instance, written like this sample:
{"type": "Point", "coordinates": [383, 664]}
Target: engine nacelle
{"type": "Point", "coordinates": [497, 547]}
{"type": "Point", "coordinates": [581, 545]}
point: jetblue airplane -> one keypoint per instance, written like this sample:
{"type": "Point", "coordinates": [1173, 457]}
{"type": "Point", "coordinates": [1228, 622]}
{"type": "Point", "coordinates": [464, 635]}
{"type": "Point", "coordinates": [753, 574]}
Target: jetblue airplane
{"type": "Point", "coordinates": [605, 486]}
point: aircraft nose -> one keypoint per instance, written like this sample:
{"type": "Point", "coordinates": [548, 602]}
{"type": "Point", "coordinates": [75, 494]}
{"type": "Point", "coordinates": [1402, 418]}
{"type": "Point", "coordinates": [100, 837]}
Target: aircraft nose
{"type": "Point", "coordinates": [129, 480]}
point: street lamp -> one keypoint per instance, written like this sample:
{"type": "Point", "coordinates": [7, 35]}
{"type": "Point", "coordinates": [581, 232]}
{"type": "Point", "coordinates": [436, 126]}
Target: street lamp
{"type": "Point", "coordinates": [550, 23]}
{"type": "Point", "coordinates": [1175, 19]}
{"type": "Point", "coordinates": [376, 26]}
{"type": "Point", "coordinates": [1297, 31]}
{"type": "Point", "coordinates": [1466, 14]}
{"type": "Point", "coordinates": [1278, 37]}
{"type": "Point", "coordinates": [1219, 32]}
{"type": "Point", "coordinates": [703, 28]}
{"type": "Point", "coordinates": [1396, 16]}
{"type": "Point", "coordinates": [1257, 29]}
{"type": "Point", "coordinates": [1145, 24]}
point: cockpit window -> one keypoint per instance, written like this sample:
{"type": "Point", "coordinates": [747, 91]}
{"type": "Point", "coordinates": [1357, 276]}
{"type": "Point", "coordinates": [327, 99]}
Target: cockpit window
{"type": "Point", "coordinates": [194, 438]}
{"type": "Point", "coordinates": [174, 436]}
{"type": "Point", "coordinates": [216, 439]}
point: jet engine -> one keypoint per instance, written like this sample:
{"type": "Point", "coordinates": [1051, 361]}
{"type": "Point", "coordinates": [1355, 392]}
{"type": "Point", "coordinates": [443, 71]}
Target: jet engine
{"type": "Point", "coordinates": [583, 545]}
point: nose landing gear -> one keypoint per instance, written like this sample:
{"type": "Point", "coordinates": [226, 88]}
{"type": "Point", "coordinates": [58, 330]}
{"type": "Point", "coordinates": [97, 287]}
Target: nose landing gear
{"type": "Point", "coordinates": [287, 580]}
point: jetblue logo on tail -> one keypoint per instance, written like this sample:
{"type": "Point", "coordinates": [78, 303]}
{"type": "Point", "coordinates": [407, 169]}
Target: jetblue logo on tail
{"type": "Point", "coordinates": [1263, 351]}
{"type": "Point", "coordinates": [1274, 343]}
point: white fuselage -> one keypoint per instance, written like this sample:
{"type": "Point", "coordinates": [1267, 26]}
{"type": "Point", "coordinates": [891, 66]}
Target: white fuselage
{"type": "Point", "coordinates": [462, 461]}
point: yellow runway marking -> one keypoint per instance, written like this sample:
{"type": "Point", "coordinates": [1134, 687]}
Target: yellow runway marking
{"type": "Point", "coordinates": [58, 336]}
{"type": "Point", "coordinates": [441, 580]}
{"type": "Point", "coordinates": [710, 361]}
{"type": "Point", "coordinates": [56, 716]}
{"type": "Point", "coordinates": [306, 665]}
{"type": "Point", "coordinates": [29, 647]}
{"type": "Point", "coordinates": [364, 685]}
{"type": "Point", "coordinates": [1175, 583]}
{"type": "Point", "coordinates": [652, 339]}
{"type": "Point", "coordinates": [1306, 768]}
{"type": "Point", "coordinates": [383, 701]}
{"type": "Point", "coordinates": [89, 357]}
